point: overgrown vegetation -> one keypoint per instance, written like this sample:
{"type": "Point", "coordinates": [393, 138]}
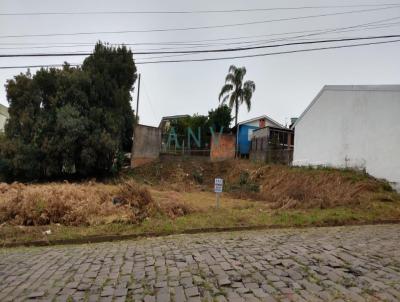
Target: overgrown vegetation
{"type": "Point", "coordinates": [176, 194]}
{"type": "Point", "coordinates": [82, 204]}
{"type": "Point", "coordinates": [277, 186]}
{"type": "Point", "coordinates": [74, 121]}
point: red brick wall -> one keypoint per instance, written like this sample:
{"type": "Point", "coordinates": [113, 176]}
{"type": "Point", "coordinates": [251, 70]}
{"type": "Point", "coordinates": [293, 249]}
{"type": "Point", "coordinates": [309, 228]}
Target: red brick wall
{"type": "Point", "coordinates": [225, 149]}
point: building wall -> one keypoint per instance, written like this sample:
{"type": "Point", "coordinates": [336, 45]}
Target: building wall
{"type": "Point", "coordinates": [264, 132]}
{"type": "Point", "coordinates": [261, 123]}
{"type": "Point", "coordinates": [244, 138]}
{"type": "Point", "coordinates": [356, 128]}
{"type": "Point", "coordinates": [3, 116]}
{"type": "Point", "coordinates": [261, 149]}
{"type": "Point", "coordinates": [246, 132]}
{"type": "Point", "coordinates": [224, 149]}
{"type": "Point", "coordinates": [146, 145]}
{"type": "Point", "coordinates": [2, 122]}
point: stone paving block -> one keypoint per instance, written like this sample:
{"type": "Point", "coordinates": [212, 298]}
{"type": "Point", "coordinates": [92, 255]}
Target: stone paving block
{"type": "Point", "coordinates": [278, 284]}
{"type": "Point", "coordinates": [120, 292]}
{"type": "Point", "coordinates": [163, 295]}
{"type": "Point", "coordinates": [224, 282]}
{"type": "Point", "coordinates": [36, 295]}
{"type": "Point", "coordinates": [343, 263]}
{"type": "Point", "coordinates": [149, 298]}
{"type": "Point", "coordinates": [251, 285]}
{"type": "Point", "coordinates": [220, 298]}
{"type": "Point", "coordinates": [192, 291]}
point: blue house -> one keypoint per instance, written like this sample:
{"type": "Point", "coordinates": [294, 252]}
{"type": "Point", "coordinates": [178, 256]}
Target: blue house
{"type": "Point", "coordinates": [246, 128]}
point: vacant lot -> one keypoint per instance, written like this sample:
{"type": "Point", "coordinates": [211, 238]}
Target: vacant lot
{"type": "Point", "coordinates": [176, 195]}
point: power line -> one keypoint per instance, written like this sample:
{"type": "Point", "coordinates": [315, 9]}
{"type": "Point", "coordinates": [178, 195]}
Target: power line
{"type": "Point", "coordinates": [38, 66]}
{"type": "Point", "coordinates": [267, 54]}
{"type": "Point", "coordinates": [192, 11]}
{"type": "Point", "coordinates": [195, 42]}
{"type": "Point", "coordinates": [198, 27]}
{"type": "Point", "coordinates": [189, 45]}
{"type": "Point", "coordinates": [223, 58]}
{"type": "Point", "coordinates": [149, 100]}
{"type": "Point", "coordinates": [205, 50]}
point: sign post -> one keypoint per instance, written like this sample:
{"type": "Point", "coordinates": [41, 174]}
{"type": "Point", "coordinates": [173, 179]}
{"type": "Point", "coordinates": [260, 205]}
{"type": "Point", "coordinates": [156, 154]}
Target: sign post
{"type": "Point", "coordinates": [218, 185]}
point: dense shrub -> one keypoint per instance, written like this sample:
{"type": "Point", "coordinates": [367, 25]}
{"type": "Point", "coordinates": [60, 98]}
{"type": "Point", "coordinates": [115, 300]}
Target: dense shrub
{"type": "Point", "coordinates": [70, 121]}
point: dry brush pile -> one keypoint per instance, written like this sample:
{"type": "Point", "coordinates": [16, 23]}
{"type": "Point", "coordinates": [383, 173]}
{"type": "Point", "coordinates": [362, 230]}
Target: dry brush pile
{"type": "Point", "coordinates": [87, 203]}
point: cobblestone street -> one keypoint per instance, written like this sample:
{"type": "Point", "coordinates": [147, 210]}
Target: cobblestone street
{"type": "Point", "coordinates": [320, 264]}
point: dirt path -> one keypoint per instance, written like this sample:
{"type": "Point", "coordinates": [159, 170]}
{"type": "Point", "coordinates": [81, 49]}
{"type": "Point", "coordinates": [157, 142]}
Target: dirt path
{"type": "Point", "coordinates": [328, 264]}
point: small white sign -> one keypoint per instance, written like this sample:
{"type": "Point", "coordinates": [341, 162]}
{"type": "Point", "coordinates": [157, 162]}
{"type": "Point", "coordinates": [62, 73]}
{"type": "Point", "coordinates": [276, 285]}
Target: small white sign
{"type": "Point", "coordinates": [218, 185]}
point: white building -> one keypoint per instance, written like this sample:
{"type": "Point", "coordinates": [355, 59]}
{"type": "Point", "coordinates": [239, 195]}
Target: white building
{"type": "Point", "coordinates": [354, 127]}
{"type": "Point", "coordinates": [3, 116]}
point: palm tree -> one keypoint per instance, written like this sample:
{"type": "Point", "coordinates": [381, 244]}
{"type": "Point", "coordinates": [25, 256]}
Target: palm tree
{"type": "Point", "coordinates": [236, 91]}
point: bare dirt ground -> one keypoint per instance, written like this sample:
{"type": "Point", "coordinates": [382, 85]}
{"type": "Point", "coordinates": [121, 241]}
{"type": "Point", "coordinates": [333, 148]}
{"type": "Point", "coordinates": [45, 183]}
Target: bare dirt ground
{"type": "Point", "coordinates": [315, 264]}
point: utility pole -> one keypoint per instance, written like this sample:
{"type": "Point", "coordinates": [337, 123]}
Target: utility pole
{"type": "Point", "coordinates": [137, 102]}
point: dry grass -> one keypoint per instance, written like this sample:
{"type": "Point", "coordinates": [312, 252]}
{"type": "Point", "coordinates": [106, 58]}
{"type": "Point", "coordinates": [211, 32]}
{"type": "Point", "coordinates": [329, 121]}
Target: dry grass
{"type": "Point", "coordinates": [81, 204]}
{"type": "Point", "coordinates": [64, 203]}
{"type": "Point", "coordinates": [177, 196]}
{"type": "Point", "coordinates": [299, 188]}
{"type": "Point", "coordinates": [278, 186]}
{"type": "Point", "coordinates": [172, 189]}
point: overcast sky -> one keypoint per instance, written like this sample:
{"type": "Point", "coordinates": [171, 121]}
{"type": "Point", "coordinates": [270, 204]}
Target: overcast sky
{"type": "Point", "coordinates": [286, 83]}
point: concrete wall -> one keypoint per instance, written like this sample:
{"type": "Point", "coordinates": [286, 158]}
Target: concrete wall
{"type": "Point", "coordinates": [352, 126]}
{"type": "Point", "coordinates": [146, 145]}
{"type": "Point", "coordinates": [3, 116]}
{"type": "Point", "coordinates": [225, 149]}
{"type": "Point", "coordinates": [2, 122]}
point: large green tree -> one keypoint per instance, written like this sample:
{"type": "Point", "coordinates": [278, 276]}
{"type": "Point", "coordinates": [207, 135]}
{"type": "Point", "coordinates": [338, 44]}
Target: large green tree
{"type": "Point", "coordinates": [70, 121]}
{"type": "Point", "coordinates": [235, 91]}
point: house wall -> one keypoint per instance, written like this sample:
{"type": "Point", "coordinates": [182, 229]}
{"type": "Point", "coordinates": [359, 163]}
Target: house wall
{"type": "Point", "coordinates": [261, 124]}
{"type": "Point", "coordinates": [244, 138]}
{"type": "Point", "coordinates": [262, 151]}
{"type": "Point", "coordinates": [224, 149]}
{"type": "Point", "coordinates": [356, 128]}
{"type": "Point", "coordinates": [264, 132]}
{"type": "Point", "coordinates": [146, 145]}
{"type": "Point", "coordinates": [245, 133]}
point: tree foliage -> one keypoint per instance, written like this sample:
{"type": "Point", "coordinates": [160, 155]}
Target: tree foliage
{"type": "Point", "coordinates": [235, 92]}
{"type": "Point", "coordinates": [220, 117]}
{"type": "Point", "coordinates": [70, 121]}
{"type": "Point", "coordinates": [189, 126]}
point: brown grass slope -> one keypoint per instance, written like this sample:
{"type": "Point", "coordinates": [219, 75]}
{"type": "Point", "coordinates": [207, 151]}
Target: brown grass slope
{"type": "Point", "coordinates": [279, 186]}
{"type": "Point", "coordinates": [175, 187]}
